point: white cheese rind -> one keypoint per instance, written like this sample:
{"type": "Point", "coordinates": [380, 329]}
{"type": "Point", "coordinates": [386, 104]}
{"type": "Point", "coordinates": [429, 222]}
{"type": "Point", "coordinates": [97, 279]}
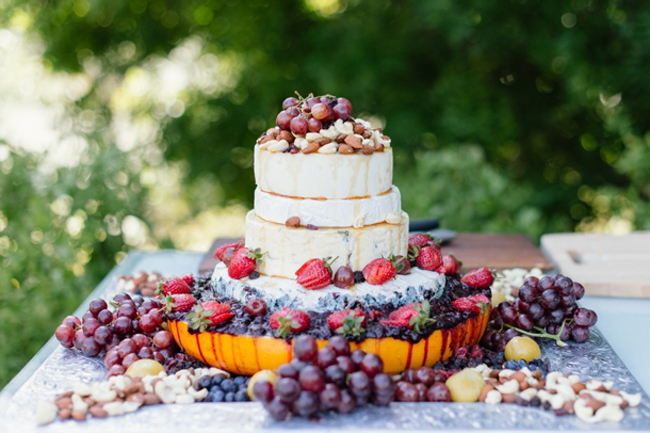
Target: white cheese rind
{"type": "Point", "coordinates": [327, 213]}
{"type": "Point", "coordinates": [317, 175]}
{"type": "Point", "coordinates": [281, 292]}
{"type": "Point", "coordinates": [287, 248]}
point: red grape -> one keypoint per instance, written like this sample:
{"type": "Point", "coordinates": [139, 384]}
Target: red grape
{"type": "Point", "coordinates": [315, 125]}
{"type": "Point", "coordinates": [105, 317]}
{"type": "Point", "coordinates": [406, 391]}
{"type": "Point", "coordinates": [140, 340]}
{"type": "Point", "coordinates": [344, 102]}
{"type": "Point", "coordinates": [287, 389]}
{"type": "Point", "coordinates": [340, 345]}
{"type": "Point", "coordinates": [312, 101]}
{"type": "Point", "coordinates": [162, 339]}
{"type": "Point", "coordinates": [319, 111]}
{"type": "Point", "coordinates": [326, 357]}
{"type": "Point", "coordinates": [299, 125]}
{"type": "Point", "coordinates": [438, 392]}
{"type": "Point", "coordinates": [283, 120]}
{"type": "Point", "coordinates": [126, 347]}
{"type": "Point", "coordinates": [112, 358]}
{"type": "Point", "coordinates": [255, 307]}
{"type": "Point", "coordinates": [371, 364]}
{"type": "Point", "coordinates": [347, 403]}
{"type": "Point", "coordinates": [263, 391]}
{"type": "Point", "coordinates": [359, 384]}
{"type": "Point", "coordinates": [127, 310]}
{"type": "Point", "coordinates": [330, 397]}
{"type": "Point", "coordinates": [306, 404]}
{"type": "Point", "coordinates": [289, 102]}
{"type": "Point", "coordinates": [145, 353]}
{"type": "Point", "coordinates": [122, 325]}
{"type": "Point", "coordinates": [71, 321]}
{"type": "Point", "coordinates": [90, 348]}
{"type": "Point", "coordinates": [156, 314]}
{"type": "Point", "coordinates": [335, 374]}
{"type": "Point", "coordinates": [343, 277]}
{"type": "Point", "coordinates": [311, 378]}
{"type": "Point", "coordinates": [147, 323]}
{"type": "Point", "coordinates": [287, 370]}
{"type": "Point", "coordinates": [121, 297]}
{"type": "Point", "coordinates": [549, 299]}
{"type": "Point", "coordinates": [305, 348]}
{"type": "Point", "coordinates": [341, 112]}
{"type": "Point", "coordinates": [585, 317]}
{"type": "Point", "coordinates": [90, 326]}
{"type": "Point", "coordinates": [103, 335]}
{"type": "Point", "coordinates": [97, 305]}
{"type": "Point", "coordinates": [116, 370]}
{"type": "Point", "coordinates": [129, 359]}
{"type": "Point", "coordinates": [65, 335]}
{"type": "Point", "coordinates": [278, 409]}
{"type": "Point", "coordinates": [580, 334]}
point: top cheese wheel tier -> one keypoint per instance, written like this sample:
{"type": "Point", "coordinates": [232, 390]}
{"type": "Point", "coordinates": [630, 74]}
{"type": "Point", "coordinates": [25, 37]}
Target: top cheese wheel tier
{"type": "Point", "coordinates": [324, 176]}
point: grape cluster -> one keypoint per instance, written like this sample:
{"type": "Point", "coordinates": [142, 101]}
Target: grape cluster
{"type": "Point", "coordinates": [222, 388]}
{"type": "Point", "coordinates": [422, 384]}
{"type": "Point", "coordinates": [332, 378]}
{"type": "Point", "coordinates": [545, 307]}
{"type": "Point", "coordinates": [312, 114]}
{"type": "Point", "coordinates": [132, 331]}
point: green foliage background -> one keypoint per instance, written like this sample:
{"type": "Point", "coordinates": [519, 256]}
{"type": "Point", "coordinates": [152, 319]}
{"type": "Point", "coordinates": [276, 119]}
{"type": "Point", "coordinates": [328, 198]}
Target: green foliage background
{"type": "Point", "coordinates": [508, 116]}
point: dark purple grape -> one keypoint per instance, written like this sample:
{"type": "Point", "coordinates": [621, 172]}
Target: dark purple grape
{"type": "Point", "coordinates": [359, 384]}
{"type": "Point", "coordinates": [564, 285]}
{"type": "Point", "coordinates": [90, 347]}
{"type": "Point", "coordinates": [527, 293]}
{"type": "Point", "coordinates": [335, 374]}
{"type": "Point", "coordinates": [288, 370]}
{"type": "Point", "coordinates": [371, 364]}
{"type": "Point", "coordinates": [556, 316]}
{"type": "Point", "coordinates": [486, 340]}
{"type": "Point", "coordinates": [405, 391]}
{"type": "Point", "coordinates": [326, 357]}
{"type": "Point", "coordinates": [65, 335]}
{"type": "Point", "coordinates": [585, 317]}
{"type": "Point", "coordinates": [347, 403]}
{"type": "Point", "coordinates": [307, 403]}
{"type": "Point", "coordinates": [278, 409]}
{"type": "Point", "coordinates": [126, 346]}
{"type": "Point", "coordinates": [287, 389]}
{"type": "Point", "coordinates": [567, 300]}
{"type": "Point", "coordinates": [122, 325]}
{"type": "Point", "coordinates": [524, 322]}
{"type": "Point", "coordinates": [263, 391]}
{"type": "Point", "coordinates": [289, 102]}
{"type": "Point", "coordinates": [580, 334]}
{"type": "Point", "coordinates": [127, 310]}
{"type": "Point", "coordinates": [305, 348]}
{"type": "Point", "coordinates": [315, 125]}
{"type": "Point", "coordinates": [496, 322]}
{"type": "Point", "coordinates": [97, 305]}
{"type": "Point", "coordinates": [520, 305]}
{"type": "Point", "coordinates": [345, 362]}
{"type": "Point", "coordinates": [340, 345]}
{"type": "Point", "coordinates": [383, 386]}
{"type": "Point", "coordinates": [342, 111]}
{"type": "Point", "coordinates": [138, 300]}
{"type": "Point", "coordinates": [566, 332]}
{"type": "Point", "coordinates": [283, 120]}
{"type": "Point", "coordinates": [105, 317]}
{"type": "Point", "coordinates": [500, 345]}
{"type": "Point", "coordinates": [145, 353]}
{"type": "Point", "coordinates": [299, 125]}
{"type": "Point", "coordinates": [553, 328]}
{"type": "Point", "coordinates": [162, 339]}
{"type": "Point", "coordinates": [545, 283]}
{"type": "Point", "coordinates": [311, 378]}
{"type": "Point", "coordinates": [509, 334]}
{"type": "Point", "coordinates": [425, 375]}
{"type": "Point", "coordinates": [147, 323]}
{"type": "Point", "coordinates": [438, 392]}
{"type": "Point", "coordinates": [535, 311]}
{"type": "Point", "coordinates": [103, 335]}
{"type": "Point", "coordinates": [330, 397]}
{"type": "Point", "coordinates": [549, 299]}
{"type": "Point", "coordinates": [121, 297]}
{"type": "Point", "coordinates": [570, 310]}
{"type": "Point", "coordinates": [89, 326]}
{"type": "Point", "coordinates": [112, 358]}
{"type": "Point", "coordinates": [357, 355]}
{"type": "Point", "coordinates": [509, 315]}
{"type": "Point", "coordinates": [531, 281]}
{"type": "Point", "coordinates": [543, 321]}
{"type": "Point", "coordinates": [578, 290]}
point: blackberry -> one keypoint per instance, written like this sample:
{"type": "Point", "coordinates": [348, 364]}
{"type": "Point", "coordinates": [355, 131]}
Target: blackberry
{"type": "Point", "coordinates": [358, 277]}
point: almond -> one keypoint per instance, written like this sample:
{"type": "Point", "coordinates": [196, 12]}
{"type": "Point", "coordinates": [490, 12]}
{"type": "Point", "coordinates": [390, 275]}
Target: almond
{"type": "Point", "coordinates": [519, 376]}
{"type": "Point", "coordinates": [98, 412]}
{"type": "Point", "coordinates": [80, 414]}
{"type": "Point", "coordinates": [593, 403]}
{"type": "Point", "coordinates": [577, 387]}
{"type": "Point", "coordinates": [367, 150]}
{"type": "Point", "coordinates": [509, 398]}
{"type": "Point", "coordinates": [293, 221]}
{"type": "Point", "coordinates": [341, 138]}
{"type": "Point", "coordinates": [63, 403]}
{"type": "Point", "coordinates": [65, 413]}
{"type": "Point", "coordinates": [322, 141]}
{"type": "Point", "coordinates": [264, 139]}
{"type": "Point", "coordinates": [151, 399]}
{"type": "Point", "coordinates": [286, 135]}
{"type": "Point", "coordinates": [310, 148]}
{"type": "Point", "coordinates": [345, 149]}
{"type": "Point", "coordinates": [358, 129]}
{"type": "Point", "coordinates": [366, 134]}
{"type": "Point", "coordinates": [353, 141]}
{"type": "Point", "coordinates": [379, 147]}
{"type": "Point", "coordinates": [272, 132]}
{"type": "Point", "coordinates": [484, 392]}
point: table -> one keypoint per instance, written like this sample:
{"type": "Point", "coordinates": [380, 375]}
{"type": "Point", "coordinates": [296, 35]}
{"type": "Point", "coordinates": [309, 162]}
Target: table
{"type": "Point", "coordinates": [623, 322]}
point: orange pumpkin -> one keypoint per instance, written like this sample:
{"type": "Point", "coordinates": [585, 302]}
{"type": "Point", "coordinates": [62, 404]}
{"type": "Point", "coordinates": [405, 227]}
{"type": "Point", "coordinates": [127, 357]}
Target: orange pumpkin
{"type": "Point", "coordinates": [245, 354]}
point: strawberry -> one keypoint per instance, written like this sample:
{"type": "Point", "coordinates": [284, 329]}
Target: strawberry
{"type": "Point", "coordinates": [315, 273]}
{"type": "Point", "coordinates": [179, 303]}
{"type": "Point", "coordinates": [449, 265]}
{"type": "Point", "coordinates": [174, 286]}
{"type": "Point", "coordinates": [428, 258]}
{"type": "Point", "coordinates": [480, 278]}
{"type": "Point", "coordinates": [287, 321]}
{"type": "Point", "coordinates": [419, 239]}
{"type": "Point", "coordinates": [243, 262]}
{"type": "Point", "coordinates": [188, 279]}
{"type": "Point", "coordinates": [473, 304]}
{"type": "Point", "coordinates": [401, 264]}
{"type": "Point", "coordinates": [218, 252]}
{"type": "Point", "coordinates": [378, 271]}
{"type": "Point", "coordinates": [209, 313]}
{"type": "Point", "coordinates": [412, 316]}
{"type": "Point", "coordinates": [347, 322]}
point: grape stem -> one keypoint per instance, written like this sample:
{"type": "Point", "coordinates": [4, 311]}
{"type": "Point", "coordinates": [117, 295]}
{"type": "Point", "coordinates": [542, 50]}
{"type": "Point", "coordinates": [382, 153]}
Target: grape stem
{"type": "Point", "coordinates": [542, 333]}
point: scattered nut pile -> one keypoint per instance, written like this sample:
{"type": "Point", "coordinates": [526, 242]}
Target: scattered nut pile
{"type": "Point", "coordinates": [507, 282]}
{"type": "Point", "coordinates": [591, 401]}
{"type": "Point", "coordinates": [122, 394]}
{"type": "Point", "coordinates": [141, 283]}
{"type": "Point", "coordinates": [344, 137]}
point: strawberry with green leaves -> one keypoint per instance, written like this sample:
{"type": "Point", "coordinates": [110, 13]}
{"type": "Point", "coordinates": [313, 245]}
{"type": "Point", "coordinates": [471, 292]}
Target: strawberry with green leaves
{"type": "Point", "coordinates": [209, 313]}
{"type": "Point", "coordinates": [412, 316]}
{"type": "Point", "coordinates": [428, 258]}
{"type": "Point", "coordinates": [347, 322]}
{"type": "Point", "coordinates": [473, 304]}
{"type": "Point", "coordinates": [480, 278]}
{"type": "Point", "coordinates": [286, 321]}
{"type": "Point", "coordinates": [178, 303]}
{"type": "Point", "coordinates": [243, 262]}
{"type": "Point", "coordinates": [378, 271]}
{"type": "Point", "coordinates": [175, 286]}
{"type": "Point", "coordinates": [315, 273]}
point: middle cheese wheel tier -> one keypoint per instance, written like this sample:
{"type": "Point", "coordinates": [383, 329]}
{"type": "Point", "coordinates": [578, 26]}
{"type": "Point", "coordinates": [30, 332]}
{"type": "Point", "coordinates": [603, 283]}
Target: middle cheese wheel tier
{"type": "Point", "coordinates": [287, 248]}
{"type": "Point", "coordinates": [328, 176]}
{"type": "Point", "coordinates": [329, 213]}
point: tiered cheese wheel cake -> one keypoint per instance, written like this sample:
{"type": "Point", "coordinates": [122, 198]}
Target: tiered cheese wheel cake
{"type": "Point", "coordinates": [325, 196]}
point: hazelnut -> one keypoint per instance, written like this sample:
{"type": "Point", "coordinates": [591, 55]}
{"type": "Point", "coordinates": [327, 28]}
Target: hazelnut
{"type": "Point", "coordinates": [286, 135]}
{"type": "Point", "coordinates": [366, 134]}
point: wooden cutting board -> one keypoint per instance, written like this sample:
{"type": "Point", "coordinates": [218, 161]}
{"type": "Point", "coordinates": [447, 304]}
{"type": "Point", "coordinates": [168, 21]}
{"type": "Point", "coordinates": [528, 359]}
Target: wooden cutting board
{"type": "Point", "coordinates": [495, 251]}
{"type": "Point", "coordinates": [607, 265]}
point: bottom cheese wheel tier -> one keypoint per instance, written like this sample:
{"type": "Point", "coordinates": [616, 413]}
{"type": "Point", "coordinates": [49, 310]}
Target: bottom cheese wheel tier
{"type": "Point", "coordinates": [245, 354]}
{"type": "Point", "coordinates": [286, 249]}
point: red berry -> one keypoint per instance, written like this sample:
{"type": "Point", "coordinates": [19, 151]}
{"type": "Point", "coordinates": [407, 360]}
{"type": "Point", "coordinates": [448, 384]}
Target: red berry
{"type": "Point", "coordinates": [243, 262]}
{"type": "Point", "coordinates": [286, 321]}
{"type": "Point", "coordinates": [315, 274]}
{"type": "Point", "coordinates": [428, 258]}
{"type": "Point", "coordinates": [378, 271]}
{"type": "Point", "coordinates": [480, 278]}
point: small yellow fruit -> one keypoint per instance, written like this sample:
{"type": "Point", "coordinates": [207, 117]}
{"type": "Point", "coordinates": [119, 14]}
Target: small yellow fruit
{"type": "Point", "coordinates": [465, 386]}
{"type": "Point", "coordinates": [144, 367]}
{"type": "Point", "coordinates": [522, 348]}
{"type": "Point", "coordinates": [268, 375]}
{"type": "Point", "coordinates": [497, 298]}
